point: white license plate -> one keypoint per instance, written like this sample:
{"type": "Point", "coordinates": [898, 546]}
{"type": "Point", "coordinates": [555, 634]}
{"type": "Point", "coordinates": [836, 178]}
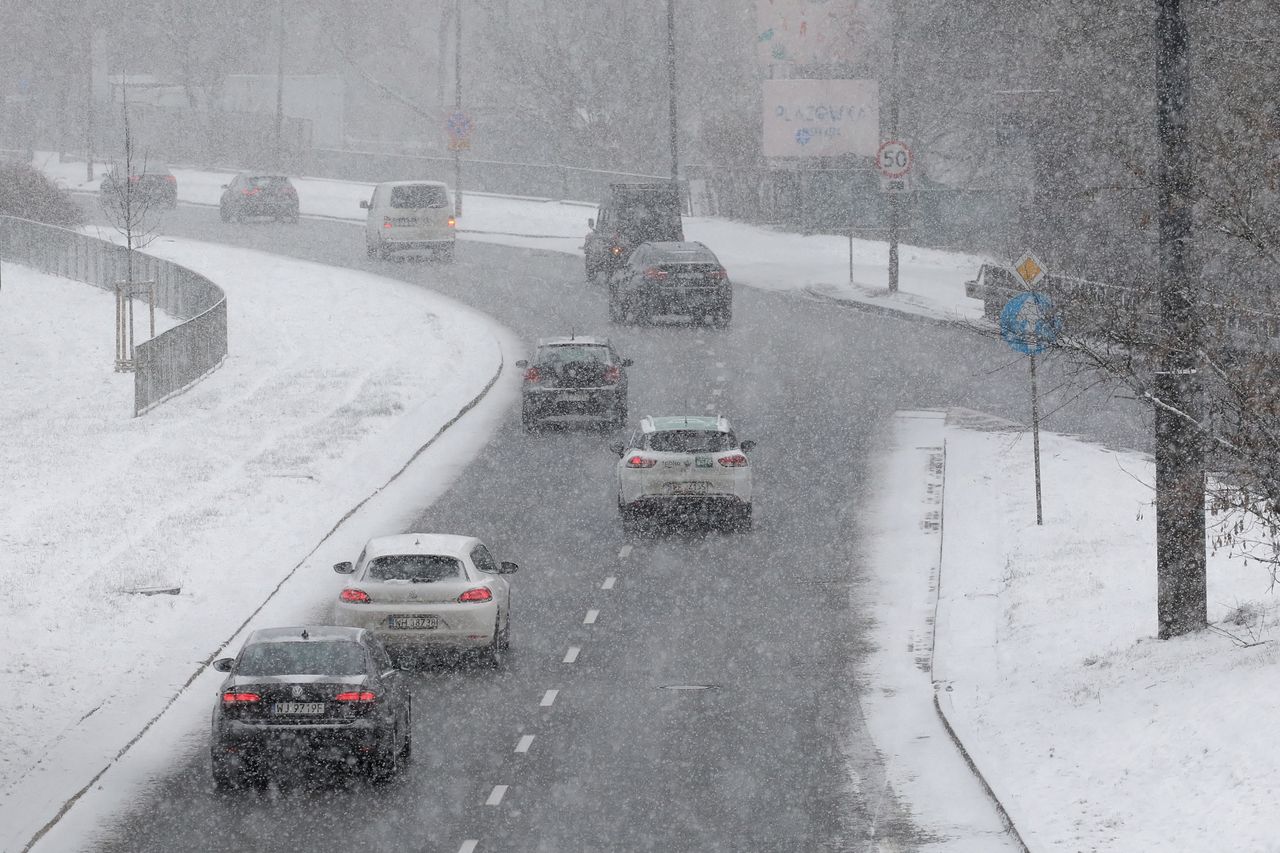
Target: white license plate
{"type": "Point", "coordinates": [413, 623]}
{"type": "Point", "coordinates": [573, 398]}
{"type": "Point", "coordinates": [297, 709]}
{"type": "Point", "coordinates": [688, 488]}
{"type": "Point", "coordinates": [691, 276]}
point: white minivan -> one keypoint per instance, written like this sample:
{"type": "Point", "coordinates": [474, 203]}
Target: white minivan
{"type": "Point", "coordinates": [410, 216]}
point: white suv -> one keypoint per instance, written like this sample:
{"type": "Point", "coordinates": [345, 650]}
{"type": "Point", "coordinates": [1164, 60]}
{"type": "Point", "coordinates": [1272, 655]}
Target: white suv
{"type": "Point", "coordinates": [410, 216]}
{"type": "Point", "coordinates": [688, 466]}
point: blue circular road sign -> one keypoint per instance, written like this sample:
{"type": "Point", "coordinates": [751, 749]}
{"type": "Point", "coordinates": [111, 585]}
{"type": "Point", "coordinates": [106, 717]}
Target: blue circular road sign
{"type": "Point", "coordinates": [1029, 323]}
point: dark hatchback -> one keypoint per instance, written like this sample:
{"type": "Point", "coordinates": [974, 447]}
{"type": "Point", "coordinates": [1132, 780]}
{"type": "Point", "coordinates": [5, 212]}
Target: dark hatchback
{"type": "Point", "coordinates": [153, 185]}
{"type": "Point", "coordinates": [316, 693]}
{"type": "Point", "coordinates": [574, 379]}
{"type": "Point", "coordinates": [247, 196]}
{"type": "Point", "coordinates": [682, 278]}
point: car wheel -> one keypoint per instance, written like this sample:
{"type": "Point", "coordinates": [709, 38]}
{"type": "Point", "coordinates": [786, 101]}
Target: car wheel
{"type": "Point", "coordinates": [224, 778]}
{"type": "Point", "coordinates": [491, 655]}
{"type": "Point", "coordinates": [617, 310]}
{"type": "Point", "coordinates": [722, 317]}
{"type": "Point", "coordinates": [742, 519]}
{"type": "Point", "coordinates": [370, 249]}
{"type": "Point", "coordinates": [385, 763]}
{"type": "Point", "coordinates": [406, 749]}
{"type": "Point", "coordinates": [629, 517]}
{"type": "Point", "coordinates": [224, 213]}
{"type": "Point", "coordinates": [529, 420]}
{"type": "Point", "coordinates": [445, 255]}
{"type": "Point", "coordinates": [506, 630]}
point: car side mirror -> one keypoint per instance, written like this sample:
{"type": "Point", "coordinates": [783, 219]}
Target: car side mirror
{"type": "Point", "coordinates": [617, 449]}
{"type": "Point", "coordinates": [626, 362]}
{"type": "Point", "coordinates": [507, 568]}
{"type": "Point", "coordinates": [226, 186]}
{"type": "Point", "coordinates": [591, 223]}
{"type": "Point", "coordinates": [747, 446]}
{"type": "Point", "coordinates": [224, 664]}
{"type": "Point", "coordinates": [364, 205]}
{"type": "Point", "coordinates": [524, 362]}
{"type": "Point", "coordinates": [346, 567]}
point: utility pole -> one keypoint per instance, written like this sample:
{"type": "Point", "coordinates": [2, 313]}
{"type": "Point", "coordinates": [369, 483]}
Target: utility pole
{"type": "Point", "coordinates": [894, 203]}
{"type": "Point", "coordinates": [457, 105]}
{"type": "Point", "coordinates": [279, 153]}
{"type": "Point", "coordinates": [671, 87]}
{"type": "Point", "coordinates": [1180, 525]}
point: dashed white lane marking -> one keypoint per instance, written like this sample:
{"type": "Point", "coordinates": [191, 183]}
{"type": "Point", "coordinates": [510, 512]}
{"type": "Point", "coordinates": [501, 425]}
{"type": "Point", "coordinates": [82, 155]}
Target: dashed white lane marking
{"type": "Point", "coordinates": [711, 407]}
{"type": "Point", "coordinates": [716, 392]}
{"type": "Point", "coordinates": [572, 655]}
{"type": "Point", "coordinates": [525, 743]}
{"type": "Point", "coordinates": [469, 846]}
{"type": "Point", "coordinates": [608, 583]}
{"type": "Point", "coordinates": [591, 617]}
{"type": "Point", "coordinates": [719, 365]}
{"type": "Point", "coordinates": [549, 698]}
{"type": "Point", "coordinates": [722, 379]}
{"type": "Point", "coordinates": [495, 797]}
{"type": "Point", "coordinates": [624, 552]}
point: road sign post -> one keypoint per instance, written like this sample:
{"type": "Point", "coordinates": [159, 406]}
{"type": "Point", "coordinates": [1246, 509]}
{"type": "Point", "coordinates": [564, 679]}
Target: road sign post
{"type": "Point", "coordinates": [893, 162]}
{"type": "Point", "coordinates": [1030, 325]}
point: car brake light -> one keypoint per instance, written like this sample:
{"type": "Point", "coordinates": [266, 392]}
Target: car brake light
{"type": "Point", "coordinates": [356, 696]}
{"type": "Point", "coordinates": [232, 698]}
{"type": "Point", "coordinates": [452, 222]}
{"type": "Point", "coordinates": [355, 596]}
{"type": "Point", "coordinates": [639, 461]}
{"type": "Point", "coordinates": [533, 375]}
{"type": "Point", "coordinates": [718, 274]}
{"type": "Point", "coordinates": [734, 460]}
{"type": "Point", "coordinates": [133, 179]}
{"type": "Point", "coordinates": [612, 374]}
{"type": "Point", "coordinates": [655, 274]}
{"type": "Point", "coordinates": [480, 593]}
{"type": "Point", "coordinates": [171, 179]}
{"type": "Point", "coordinates": [249, 192]}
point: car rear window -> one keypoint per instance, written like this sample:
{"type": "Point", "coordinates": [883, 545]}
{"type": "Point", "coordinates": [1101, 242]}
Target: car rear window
{"type": "Point", "coordinates": [419, 195]}
{"type": "Point", "coordinates": [690, 441]}
{"type": "Point", "coordinates": [568, 354]}
{"type": "Point", "coordinates": [420, 568]}
{"type": "Point", "coordinates": [267, 181]}
{"type": "Point", "coordinates": [684, 256]}
{"type": "Point", "coordinates": [338, 657]}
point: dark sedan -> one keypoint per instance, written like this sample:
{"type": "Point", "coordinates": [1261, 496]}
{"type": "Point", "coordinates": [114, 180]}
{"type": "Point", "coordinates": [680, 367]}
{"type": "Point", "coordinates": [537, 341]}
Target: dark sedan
{"type": "Point", "coordinates": [685, 279]}
{"type": "Point", "coordinates": [318, 693]}
{"type": "Point", "coordinates": [249, 195]}
{"type": "Point", "coordinates": [153, 184]}
{"type": "Point", "coordinates": [574, 379]}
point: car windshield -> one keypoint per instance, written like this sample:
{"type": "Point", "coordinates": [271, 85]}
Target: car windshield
{"type": "Point", "coordinates": [690, 441]}
{"type": "Point", "coordinates": [570, 354]}
{"type": "Point", "coordinates": [416, 196]}
{"type": "Point", "coordinates": [302, 657]}
{"type": "Point", "coordinates": [419, 568]}
{"type": "Point", "coordinates": [267, 181]}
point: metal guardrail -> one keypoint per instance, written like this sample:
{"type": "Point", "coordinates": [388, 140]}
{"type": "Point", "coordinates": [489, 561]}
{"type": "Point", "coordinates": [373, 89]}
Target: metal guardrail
{"type": "Point", "coordinates": [171, 361]}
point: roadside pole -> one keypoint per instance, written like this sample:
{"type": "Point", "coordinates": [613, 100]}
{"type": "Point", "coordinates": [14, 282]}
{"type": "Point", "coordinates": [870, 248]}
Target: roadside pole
{"type": "Point", "coordinates": [1035, 435]}
{"type": "Point", "coordinates": [457, 107]}
{"type": "Point", "coordinates": [894, 161]}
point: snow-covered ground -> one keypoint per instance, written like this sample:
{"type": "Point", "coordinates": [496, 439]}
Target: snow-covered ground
{"type": "Point", "coordinates": [931, 282]}
{"type": "Point", "coordinates": [1094, 735]}
{"type": "Point", "coordinates": [334, 380]}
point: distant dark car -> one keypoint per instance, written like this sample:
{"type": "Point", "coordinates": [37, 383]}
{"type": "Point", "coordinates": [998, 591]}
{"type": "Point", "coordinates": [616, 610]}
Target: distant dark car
{"type": "Point", "coordinates": [673, 279]}
{"type": "Point", "coordinates": [317, 692]}
{"type": "Point", "coordinates": [153, 184]}
{"type": "Point", "coordinates": [259, 195]}
{"type": "Point", "coordinates": [630, 214]}
{"type": "Point", "coordinates": [574, 379]}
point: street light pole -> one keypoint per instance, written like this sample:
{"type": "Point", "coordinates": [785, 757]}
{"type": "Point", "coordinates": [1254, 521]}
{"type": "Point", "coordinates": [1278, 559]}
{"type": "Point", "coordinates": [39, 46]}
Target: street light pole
{"type": "Point", "coordinates": [895, 85]}
{"type": "Point", "coordinates": [1180, 524]}
{"type": "Point", "coordinates": [279, 152]}
{"type": "Point", "coordinates": [457, 105]}
{"type": "Point", "coordinates": [671, 86]}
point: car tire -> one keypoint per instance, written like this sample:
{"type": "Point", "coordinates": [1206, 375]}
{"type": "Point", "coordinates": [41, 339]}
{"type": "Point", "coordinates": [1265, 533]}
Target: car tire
{"type": "Point", "coordinates": [630, 519]}
{"type": "Point", "coordinates": [406, 751]}
{"type": "Point", "coordinates": [529, 420]}
{"type": "Point", "coordinates": [617, 309]}
{"type": "Point", "coordinates": [506, 630]}
{"type": "Point", "coordinates": [445, 255]}
{"type": "Point", "coordinates": [370, 249]}
{"type": "Point", "coordinates": [224, 213]}
{"type": "Point", "coordinates": [722, 317]}
{"type": "Point", "coordinates": [491, 655]}
{"type": "Point", "coordinates": [224, 778]}
{"type": "Point", "coordinates": [742, 522]}
{"type": "Point", "coordinates": [385, 763]}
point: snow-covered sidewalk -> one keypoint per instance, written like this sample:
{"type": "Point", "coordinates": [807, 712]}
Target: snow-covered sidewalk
{"type": "Point", "coordinates": [931, 281]}
{"type": "Point", "coordinates": [334, 380]}
{"type": "Point", "coordinates": [1093, 734]}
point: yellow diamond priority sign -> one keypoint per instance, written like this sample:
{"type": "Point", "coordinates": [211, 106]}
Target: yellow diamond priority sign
{"type": "Point", "coordinates": [1029, 269]}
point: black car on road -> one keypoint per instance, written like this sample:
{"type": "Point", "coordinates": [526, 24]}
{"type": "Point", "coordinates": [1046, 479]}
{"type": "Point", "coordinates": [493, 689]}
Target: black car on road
{"type": "Point", "coordinates": [630, 214]}
{"type": "Point", "coordinates": [684, 279]}
{"type": "Point", "coordinates": [251, 195]}
{"type": "Point", "coordinates": [152, 184]}
{"type": "Point", "coordinates": [574, 379]}
{"type": "Point", "coordinates": [313, 693]}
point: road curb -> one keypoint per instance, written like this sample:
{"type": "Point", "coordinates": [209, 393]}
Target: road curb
{"type": "Point", "coordinates": [68, 803]}
{"type": "Point", "coordinates": [885, 310]}
{"type": "Point", "coordinates": [940, 692]}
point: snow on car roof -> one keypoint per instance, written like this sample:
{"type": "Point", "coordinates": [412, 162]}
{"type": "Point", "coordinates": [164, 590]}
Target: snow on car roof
{"type": "Point", "coordinates": [672, 422]}
{"type": "Point", "coordinates": [579, 340]}
{"type": "Point", "coordinates": [444, 544]}
{"type": "Point", "coordinates": [295, 632]}
{"type": "Point", "coordinates": [413, 184]}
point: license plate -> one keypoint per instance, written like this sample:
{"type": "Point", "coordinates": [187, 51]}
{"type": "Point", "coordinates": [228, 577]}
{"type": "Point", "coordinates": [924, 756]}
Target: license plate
{"type": "Point", "coordinates": [688, 488]}
{"type": "Point", "coordinates": [297, 709]}
{"type": "Point", "coordinates": [702, 461]}
{"type": "Point", "coordinates": [404, 221]}
{"type": "Point", "coordinates": [413, 622]}
{"type": "Point", "coordinates": [573, 398]}
{"type": "Point", "coordinates": [691, 276]}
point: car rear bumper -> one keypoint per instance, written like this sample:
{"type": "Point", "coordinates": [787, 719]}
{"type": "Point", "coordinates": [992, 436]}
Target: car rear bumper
{"type": "Point", "coordinates": [568, 402]}
{"type": "Point", "coordinates": [240, 741]}
{"type": "Point", "coordinates": [459, 626]}
{"type": "Point", "coordinates": [395, 244]}
{"type": "Point", "coordinates": [688, 505]}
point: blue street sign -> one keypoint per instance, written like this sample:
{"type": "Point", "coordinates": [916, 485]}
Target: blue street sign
{"type": "Point", "coordinates": [1029, 324]}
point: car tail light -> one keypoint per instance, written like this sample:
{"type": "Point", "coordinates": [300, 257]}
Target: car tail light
{"type": "Point", "coordinates": [734, 460]}
{"type": "Point", "coordinates": [386, 222]}
{"type": "Point", "coordinates": [479, 594]}
{"type": "Point", "coordinates": [719, 274]}
{"type": "Point", "coordinates": [170, 179]}
{"type": "Point", "coordinates": [612, 374]}
{"type": "Point", "coordinates": [249, 192]}
{"type": "Point", "coordinates": [655, 274]}
{"type": "Point", "coordinates": [533, 375]}
{"type": "Point", "coordinates": [356, 696]}
{"type": "Point", "coordinates": [639, 461]}
{"type": "Point", "coordinates": [133, 179]}
{"type": "Point", "coordinates": [290, 191]}
{"type": "Point", "coordinates": [233, 698]}
{"type": "Point", "coordinates": [355, 596]}
{"type": "Point", "coordinates": [452, 222]}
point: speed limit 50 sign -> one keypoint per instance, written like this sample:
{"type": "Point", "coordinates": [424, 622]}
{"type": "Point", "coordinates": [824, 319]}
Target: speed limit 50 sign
{"type": "Point", "coordinates": [894, 161]}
